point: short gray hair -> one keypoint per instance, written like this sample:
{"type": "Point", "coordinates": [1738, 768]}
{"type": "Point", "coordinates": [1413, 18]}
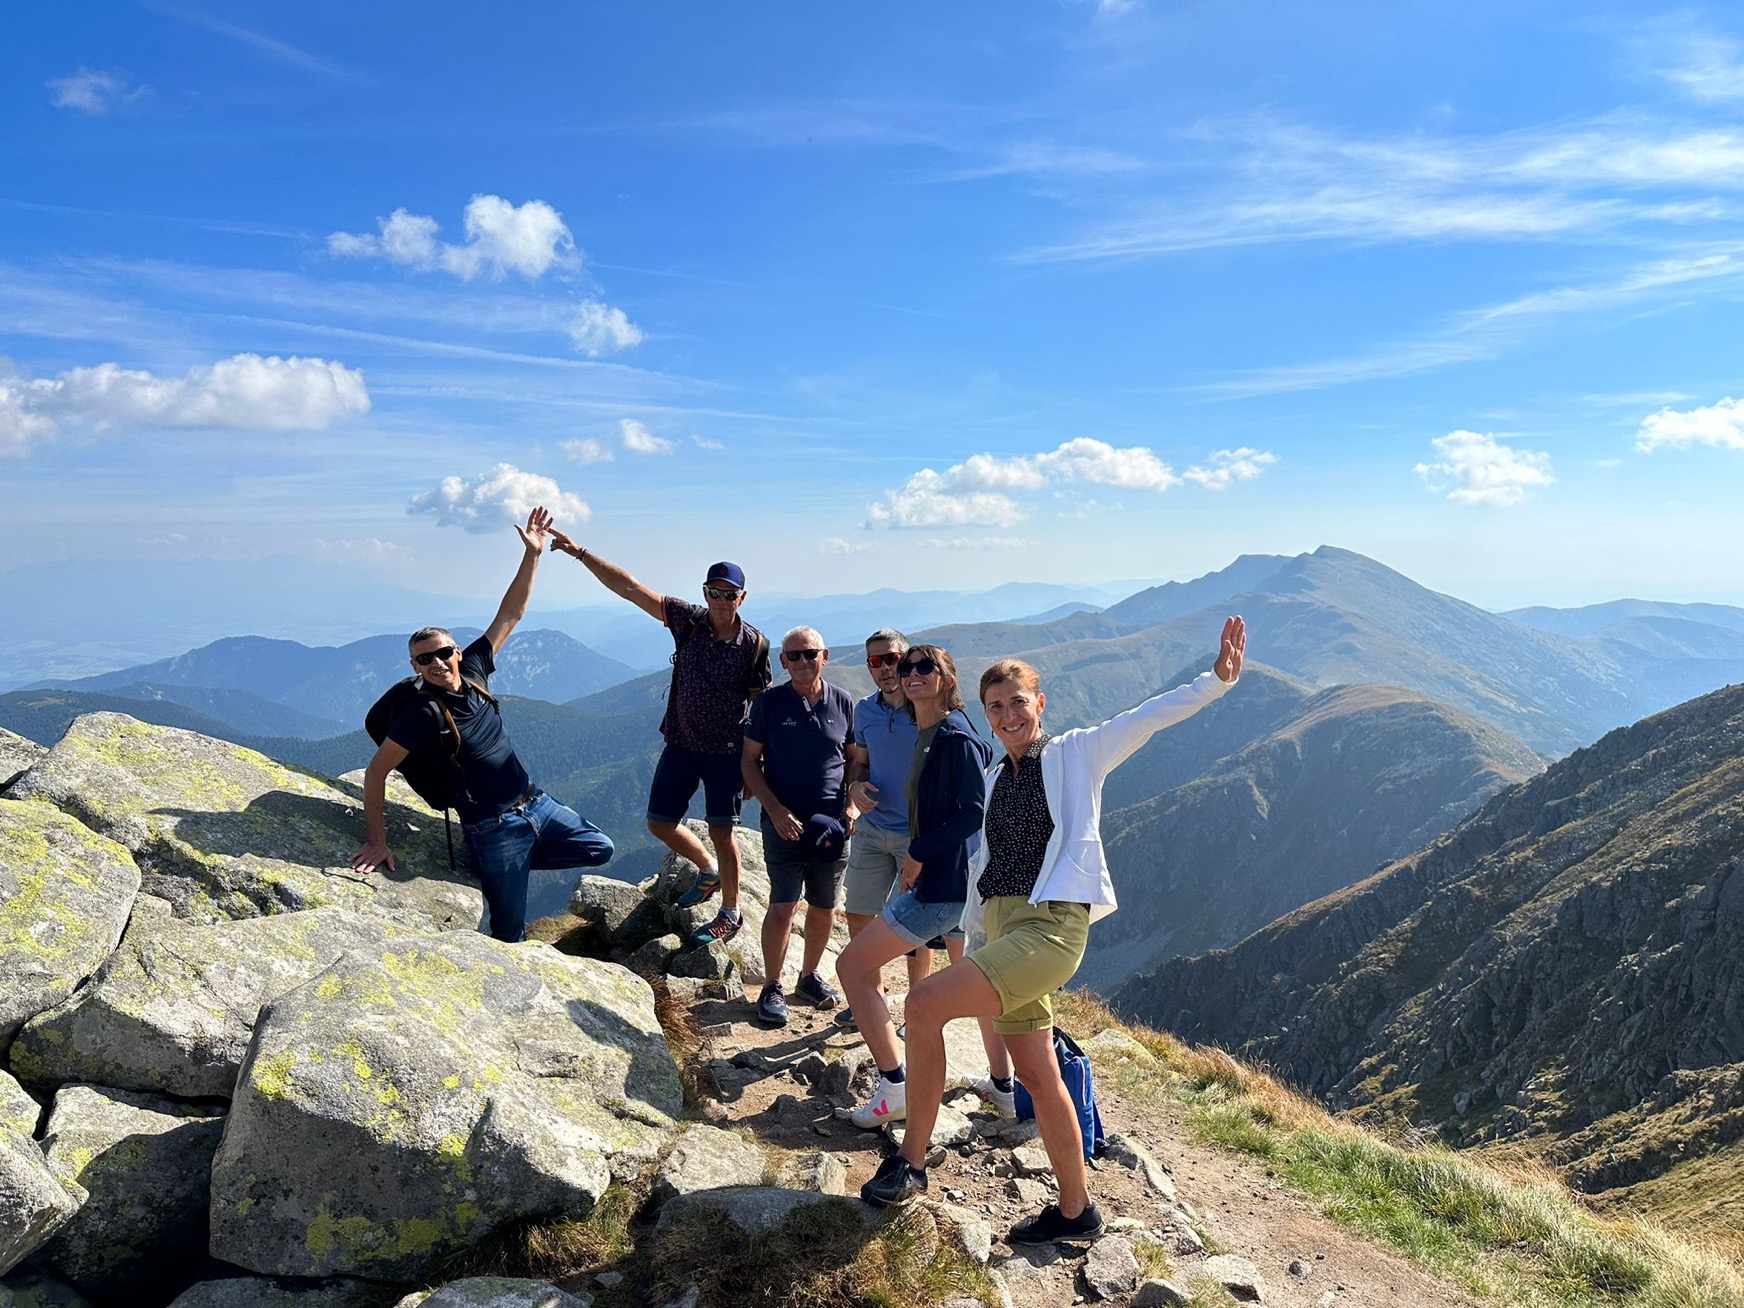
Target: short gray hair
{"type": "Point", "coordinates": [812, 634]}
{"type": "Point", "coordinates": [429, 633]}
{"type": "Point", "coordinates": [890, 634]}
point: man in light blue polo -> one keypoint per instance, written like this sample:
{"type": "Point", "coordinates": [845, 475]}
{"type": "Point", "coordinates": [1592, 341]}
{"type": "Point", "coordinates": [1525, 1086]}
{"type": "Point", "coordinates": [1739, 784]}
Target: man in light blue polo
{"type": "Point", "coordinates": [879, 753]}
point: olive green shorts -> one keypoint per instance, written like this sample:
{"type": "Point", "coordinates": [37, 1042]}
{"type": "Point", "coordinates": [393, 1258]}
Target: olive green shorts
{"type": "Point", "coordinates": [1031, 951]}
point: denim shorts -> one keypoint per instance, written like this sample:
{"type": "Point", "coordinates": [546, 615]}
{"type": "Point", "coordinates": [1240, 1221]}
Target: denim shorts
{"type": "Point", "coordinates": [676, 777]}
{"type": "Point", "coordinates": [918, 922]}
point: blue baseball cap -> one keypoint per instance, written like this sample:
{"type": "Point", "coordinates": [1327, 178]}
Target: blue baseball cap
{"type": "Point", "coordinates": [731, 573]}
{"type": "Point", "coordinates": [825, 835]}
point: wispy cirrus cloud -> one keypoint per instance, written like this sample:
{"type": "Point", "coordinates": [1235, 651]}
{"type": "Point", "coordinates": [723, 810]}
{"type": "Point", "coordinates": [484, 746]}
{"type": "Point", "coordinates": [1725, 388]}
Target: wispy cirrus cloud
{"type": "Point", "coordinates": [270, 47]}
{"type": "Point", "coordinates": [1476, 468]}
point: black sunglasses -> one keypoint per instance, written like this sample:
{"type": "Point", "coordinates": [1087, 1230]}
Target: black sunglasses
{"type": "Point", "coordinates": [429, 656]}
{"type": "Point", "coordinates": [888, 659]}
{"type": "Point", "coordinates": [795, 655]}
{"type": "Point", "coordinates": [921, 667]}
{"type": "Point", "coordinates": [720, 592]}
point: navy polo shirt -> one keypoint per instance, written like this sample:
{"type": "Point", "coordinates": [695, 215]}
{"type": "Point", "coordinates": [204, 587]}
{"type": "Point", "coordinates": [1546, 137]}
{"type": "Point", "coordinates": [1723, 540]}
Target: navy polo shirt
{"type": "Point", "coordinates": [804, 747]}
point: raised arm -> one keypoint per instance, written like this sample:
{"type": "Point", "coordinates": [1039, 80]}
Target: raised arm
{"type": "Point", "coordinates": [612, 577]}
{"type": "Point", "coordinates": [514, 605]}
{"type": "Point", "coordinates": [1116, 740]}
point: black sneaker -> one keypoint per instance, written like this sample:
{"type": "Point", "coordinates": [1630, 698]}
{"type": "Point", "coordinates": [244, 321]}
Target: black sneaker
{"type": "Point", "coordinates": [771, 1007]}
{"type": "Point", "coordinates": [894, 1183]}
{"type": "Point", "coordinates": [819, 991]}
{"type": "Point", "coordinates": [845, 1020]}
{"type": "Point", "coordinates": [1051, 1224]}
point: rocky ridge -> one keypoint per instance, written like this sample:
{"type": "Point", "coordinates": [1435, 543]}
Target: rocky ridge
{"type": "Point", "coordinates": [1559, 969]}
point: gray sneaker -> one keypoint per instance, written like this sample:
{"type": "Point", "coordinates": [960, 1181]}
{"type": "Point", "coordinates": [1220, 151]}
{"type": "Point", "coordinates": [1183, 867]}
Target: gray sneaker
{"type": "Point", "coordinates": [771, 1007]}
{"type": "Point", "coordinates": [819, 991]}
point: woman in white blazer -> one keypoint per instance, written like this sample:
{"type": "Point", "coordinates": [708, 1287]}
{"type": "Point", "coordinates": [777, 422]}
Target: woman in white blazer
{"type": "Point", "coordinates": [1036, 883]}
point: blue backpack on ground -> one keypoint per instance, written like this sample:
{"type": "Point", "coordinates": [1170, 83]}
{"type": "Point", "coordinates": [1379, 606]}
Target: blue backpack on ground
{"type": "Point", "coordinates": [1080, 1085]}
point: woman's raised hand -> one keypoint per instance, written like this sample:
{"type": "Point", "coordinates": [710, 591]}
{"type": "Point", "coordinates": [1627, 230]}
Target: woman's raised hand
{"type": "Point", "coordinates": [1230, 653]}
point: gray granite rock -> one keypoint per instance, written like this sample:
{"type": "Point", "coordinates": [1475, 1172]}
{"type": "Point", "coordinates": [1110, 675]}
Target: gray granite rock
{"type": "Point", "coordinates": [34, 1202]}
{"type": "Point", "coordinates": [145, 1161]}
{"type": "Point", "coordinates": [270, 1292]}
{"type": "Point", "coordinates": [175, 1006]}
{"type": "Point", "coordinates": [19, 1110]}
{"type": "Point", "coordinates": [651, 957]}
{"type": "Point", "coordinates": [757, 1210]}
{"type": "Point", "coordinates": [1158, 1293]}
{"type": "Point", "coordinates": [401, 1106]}
{"type": "Point", "coordinates": [1237, 1275]}
{"type": "Point", "coordinates": [502, 1292]}
{"type": "Point", "coordinates": [1131, 1154]}
{"type": "Point", "coordinates": [1111, 1268]}
{"type": "Point", "coordinates": [65, 896]}
{"type": "Point", "coordinates": [16, 755]}
{"type": "Point", "coordinates": [227, 832]}
{"type": "Point", "coordinates": [36, 1291]}
{"type": "Point", "coordinates": [815, 1171]}
{"type": "Point", "coordinates": [708, 1158]}
{"type": "Point", "coordinates": [712, 962]}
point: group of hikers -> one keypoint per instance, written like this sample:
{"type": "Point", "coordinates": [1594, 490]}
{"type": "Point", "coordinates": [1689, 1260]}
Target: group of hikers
{"type": "Point", "coordinates": [893, 808]}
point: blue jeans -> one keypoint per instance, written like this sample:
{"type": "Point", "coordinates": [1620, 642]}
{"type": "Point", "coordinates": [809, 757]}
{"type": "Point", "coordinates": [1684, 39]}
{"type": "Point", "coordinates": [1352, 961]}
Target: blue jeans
{"type": "Point", "coordinates": [540, 833]}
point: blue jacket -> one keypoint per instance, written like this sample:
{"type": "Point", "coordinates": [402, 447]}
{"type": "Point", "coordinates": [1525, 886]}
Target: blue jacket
{"type": "Point", "coordinates": [950, 800]}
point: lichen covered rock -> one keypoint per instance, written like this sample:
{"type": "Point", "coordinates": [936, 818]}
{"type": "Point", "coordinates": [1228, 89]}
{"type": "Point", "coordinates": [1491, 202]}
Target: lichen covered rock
{"type": "Point", "coordinates": [33, 1203]}
{"type": "Point", "coordinates": [16, 755]}
{"type": "Point", "coordinates": [175, 1006]}
{"type": "Point", "coordinates": [65, 893]}
{"type": "Point", "coordinates": [18, 1110]}
{"type": "Point", "coordinates": [404, 1104]}
{"type": "Point", "coordinates": [224, 832]}
{"type": "Point", "coordinates": [501, 1292]}
{"type": "Point", "coordinates": [144, 1161]}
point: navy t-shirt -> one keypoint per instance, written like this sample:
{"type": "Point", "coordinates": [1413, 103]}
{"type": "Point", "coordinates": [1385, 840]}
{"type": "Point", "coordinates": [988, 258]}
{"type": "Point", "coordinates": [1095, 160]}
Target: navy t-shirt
{"type": "Point", "coordinates": [493, 776]}
{"type": "Point", "coordinates": [804, 747]}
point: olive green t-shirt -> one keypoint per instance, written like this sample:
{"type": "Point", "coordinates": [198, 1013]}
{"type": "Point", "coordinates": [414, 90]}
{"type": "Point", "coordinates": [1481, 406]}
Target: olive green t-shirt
{"type": "Point", "coordinates": [921, 745]}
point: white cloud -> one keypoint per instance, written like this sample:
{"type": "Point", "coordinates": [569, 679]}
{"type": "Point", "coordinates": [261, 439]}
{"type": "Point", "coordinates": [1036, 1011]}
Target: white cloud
{"type": "Point", "coordinates": [976, 543]}
{"type": "Point", "coordinates": [973, 493]}
{"type": "Point", "coordinates": [501, 496]}
{"type": "Point", "coordinates": [1226, 467]}
{"type": "Point", "coordinates": [501, 238]}
{"type": "Point", "coordinates": [92, 92]}
{"type": "Point", "coordinates": [1481, 470]}
{"type": "Point", "coordinates": [1719, 425]}
{"type": "Point", "coordinates": [243, 393]}
{"type": "Point", "coordinates": [587, 451]}
{"type": "Point", "coordinates": [600, 329]}
{"type": "Point", "coordinates": [639, 440]}
{"type": "Point", "coordinates": [370, 552]}
{"type": "Point", "coordinates": [704, 443]}
{"type": "Point", "coordinates": [1117, 8]}
{"type": "Point", "coordinates": [836, 545]}
{"type": "Point", "coordinates": [1704, 65]}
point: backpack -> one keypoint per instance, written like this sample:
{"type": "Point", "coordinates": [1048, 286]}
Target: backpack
{"type": "Point", "coordinates": [759, 658]}
{"type": "Point", "coordinates": [1080, 1085]}
{"type": "Point", "coordinates": [433, 772]}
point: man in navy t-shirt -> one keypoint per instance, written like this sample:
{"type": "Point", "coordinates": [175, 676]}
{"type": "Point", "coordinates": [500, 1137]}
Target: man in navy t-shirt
{"type": "Point", "coordinates": [795, 763]}
{"type": "Point", "coordinates": [511, 826]}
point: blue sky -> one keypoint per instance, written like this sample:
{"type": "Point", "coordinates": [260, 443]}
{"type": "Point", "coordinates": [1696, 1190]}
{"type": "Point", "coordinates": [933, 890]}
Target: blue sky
{"type": "Point", "coordinates": [914, 295]}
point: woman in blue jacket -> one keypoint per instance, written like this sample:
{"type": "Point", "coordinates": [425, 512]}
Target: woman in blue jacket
{"type": "Point", "coordinates": [946, 798]}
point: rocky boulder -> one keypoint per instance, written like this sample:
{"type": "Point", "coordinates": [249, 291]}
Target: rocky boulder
{"type": "Point", "coordinates": [403, 1104]}
{"type": "Point", "coordinates": [18, 1110]}
{"type": "Point", "coordinates": [35, 1291]}
{"type": "Point", "coordinates": [501, 1292]}
{"type": "Point", "coordinates": [223, 832]}
{"type": "Point", "coordinates": [265, 1292]}
{"type": "Point", "coordinates": [145, 1162]}
{"type": "Point", "coordinates": [33, 1203]}
{"type": "Point", "coordinates": [708, 1158]}
{"type": "Point", "coordinates": [65, 894]}
{"type": "Point", "coordinates": [16, 755]}
{"type": "Point", "coordinates": [174, 1007]}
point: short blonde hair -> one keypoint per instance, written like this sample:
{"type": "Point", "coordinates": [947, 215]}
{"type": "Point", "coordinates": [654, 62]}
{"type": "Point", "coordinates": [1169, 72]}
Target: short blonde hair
{"type": "Point", "coordinates": [1011, 670]}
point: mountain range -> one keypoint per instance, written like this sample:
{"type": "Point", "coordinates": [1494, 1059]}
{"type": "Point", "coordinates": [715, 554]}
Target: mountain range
{"type": "Point", "coordinates": [1564, 969]}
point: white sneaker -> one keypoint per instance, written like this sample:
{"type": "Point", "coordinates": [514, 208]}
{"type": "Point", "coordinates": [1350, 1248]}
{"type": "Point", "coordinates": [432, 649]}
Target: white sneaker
{"type": "Point", "coordinates": [889, 1103]}
{"type": "Point", "coordinates": [1004, 1101]}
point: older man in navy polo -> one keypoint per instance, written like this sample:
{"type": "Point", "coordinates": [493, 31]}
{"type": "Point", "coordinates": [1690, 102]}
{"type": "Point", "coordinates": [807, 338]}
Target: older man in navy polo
{"type": "Point", "coordinates": [796, 765]}
{"type": "Point", "coordinates": [720, 664]}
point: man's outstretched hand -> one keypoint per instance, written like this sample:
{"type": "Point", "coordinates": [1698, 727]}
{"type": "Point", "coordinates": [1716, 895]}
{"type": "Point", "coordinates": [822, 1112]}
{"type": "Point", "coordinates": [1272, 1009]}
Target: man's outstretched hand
{"type": "Point", "coordinates": [374, 854]}
{"type": "Point", "coordinates": [1229, 654]}
{"type": "Point", "coordinates": [561, 544]}
{"type": "Point", "coordinates": [537, 531]}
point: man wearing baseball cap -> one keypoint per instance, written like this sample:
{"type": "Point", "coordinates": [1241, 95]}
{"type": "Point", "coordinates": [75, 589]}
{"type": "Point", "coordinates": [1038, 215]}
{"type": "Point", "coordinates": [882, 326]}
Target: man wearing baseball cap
{"type": "Point", "coordinates": [720, 663]}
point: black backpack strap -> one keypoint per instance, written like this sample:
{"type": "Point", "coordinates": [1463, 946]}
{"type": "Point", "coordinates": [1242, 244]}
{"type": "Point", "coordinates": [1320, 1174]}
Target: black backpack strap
{"type": "Point", "coordinates": [678, 644]}
{"type": "Point", "coordinates": [454, 734]}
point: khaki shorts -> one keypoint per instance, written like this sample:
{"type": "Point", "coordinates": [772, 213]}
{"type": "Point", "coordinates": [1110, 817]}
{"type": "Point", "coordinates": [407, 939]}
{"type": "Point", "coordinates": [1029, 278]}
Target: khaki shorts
{"type": "Point", "coordinates": [1031, 951]}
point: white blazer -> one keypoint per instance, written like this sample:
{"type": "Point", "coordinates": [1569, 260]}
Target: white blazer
{"type": "Point", "coordinates": [1074, 766]}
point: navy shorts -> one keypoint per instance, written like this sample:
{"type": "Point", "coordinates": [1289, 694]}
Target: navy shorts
{"type": "Point", "coordinates": [681, 771]}
{"type": "Point", "coordinates": [796, 872]}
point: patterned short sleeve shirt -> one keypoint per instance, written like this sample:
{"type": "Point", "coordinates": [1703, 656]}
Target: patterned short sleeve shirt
{"type": "Point", "coordinates": [715, 681]}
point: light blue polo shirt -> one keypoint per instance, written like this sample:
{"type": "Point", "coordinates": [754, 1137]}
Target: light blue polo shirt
{"type": "Point", "coordinates": [888, 736]}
